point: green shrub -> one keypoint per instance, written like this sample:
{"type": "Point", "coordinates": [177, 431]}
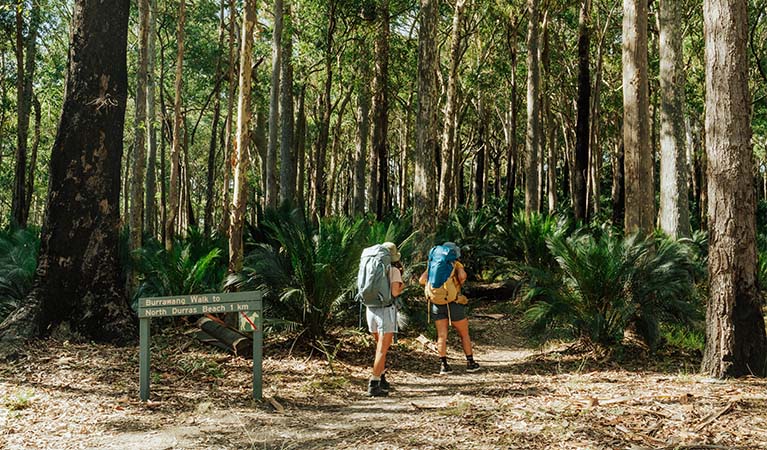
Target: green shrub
{"type": "Point", "coordinates": [609, 283]}
{"type": "Point", "coordinates": [309, 273]}
{"type": "Point", "coordinates": [195, 265]}
{"type": "Point", "coordinates": [18, 261]}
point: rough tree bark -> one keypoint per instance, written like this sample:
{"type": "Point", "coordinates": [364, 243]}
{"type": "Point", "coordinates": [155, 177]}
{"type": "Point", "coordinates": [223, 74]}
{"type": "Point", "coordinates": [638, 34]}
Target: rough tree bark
{"type": "Point", "coordinates": [138, 161]}
{"type": "Point", "coordinates": [448, 169]}
{"type": "Point", "coordinates": [173, 185]}
{"type": "Point", "coordinates": [424, 184]}
{"type": "Point", "coordinates": [735, 334]}
{"type": "Point", "coordinates": [78, 278]}
{"type": "Point", "coordinates": [583, 105]}
{"type": "Point", "coordinates": [287, 152]}
{"type": "Point", "coordinates": [244, 113]}
{"type": "Point", "coordinates": [362, 116]}
{"type": "Point", "coordinates": [640, 202]}
{"type": "Point", "coordinates": [151, 178]}
{"type": "Point", "coordinates": [532, 143]}
{"type": "Point", "coordinates": [26, 73]}
{"type": "Point", "coordinates": [674, 211]}
{"type": "Point", "coordinates": [270, 166]}
{"type": "Point", "coordinates": [380, 111]}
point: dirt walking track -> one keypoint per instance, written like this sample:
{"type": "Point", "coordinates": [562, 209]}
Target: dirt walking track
{"type": "Point", "coordinates": [73, 396]}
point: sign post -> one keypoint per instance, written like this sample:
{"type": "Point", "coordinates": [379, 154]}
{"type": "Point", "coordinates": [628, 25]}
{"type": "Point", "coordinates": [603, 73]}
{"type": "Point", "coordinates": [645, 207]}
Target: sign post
{"type": "Point", "coordinates": [245, 303]}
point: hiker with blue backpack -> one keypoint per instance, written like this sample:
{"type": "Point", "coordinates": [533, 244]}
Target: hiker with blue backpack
{"type": "Point", "coordinates": [442, 283]}
{"type": "Point", "coordinates": [379, 283]}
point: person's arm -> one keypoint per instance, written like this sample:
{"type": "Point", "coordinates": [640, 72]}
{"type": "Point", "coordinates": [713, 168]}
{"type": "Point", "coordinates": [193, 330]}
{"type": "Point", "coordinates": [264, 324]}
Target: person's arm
{"type": "Point", "coordinates": [396, 283]}
{"type": "Point", "coordinates": [424, 277]}
{"type": "Point", "coordinates": [460, 275]}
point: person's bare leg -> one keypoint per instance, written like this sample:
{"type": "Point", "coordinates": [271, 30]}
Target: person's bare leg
{"type": "Point", "coordinates": [382, 346]}
{"type": "Point", "coordinates": [441, 326]}
{"type": "Point", "coordinates": [462, 327]}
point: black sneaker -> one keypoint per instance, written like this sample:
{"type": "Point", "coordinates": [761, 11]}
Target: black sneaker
{"type": "Point", "coordinates": [375, 390]}
{"type": "Point", "coordinates": [444, 368]}
{"type": "Point", "coordinates": [472, 366]}
{"type": "Point", "coordinates": [385, 384]}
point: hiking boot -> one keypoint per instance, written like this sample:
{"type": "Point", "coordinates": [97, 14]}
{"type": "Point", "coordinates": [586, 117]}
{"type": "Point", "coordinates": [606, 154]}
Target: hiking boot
{"type": "Point", "coordinates": [375, 390]}
{"type": "Point", "coordinates": [444, 368]}
{"type": "Point", "coordinates": [385, 384]}
{"type": "Point", "coordinates": [472, 366]}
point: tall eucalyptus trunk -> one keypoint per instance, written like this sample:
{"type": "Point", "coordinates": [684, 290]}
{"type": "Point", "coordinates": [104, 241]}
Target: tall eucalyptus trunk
{"type": "Point", "coordinates": [78, 281]}
{"type": "Point", "coordinates": [640, 202]}
{"type": "Point", "coordinates": [448, 170]}
{"type": "Point", "coordinates": [380, 111]}
{"type": "Point", "coordinates": [270, 174]}
{"type": "Point", "coordinates": [582, 132]}
{"type": "Point", "coordinates": [424, 184]}
{"type": "Point", "coordinates": [173, 188]}
{"type": "Point", "coordinates": [735, 336]}
{"type": "Point", "coordinates": [287, 151]}
{"type": "Point", "coordinates": [674, 211]}
{"type": "Point", "coordinates": [532, 142]}
{"type": "Point", "coordinates": [244, 113]}
{"type": "Point", "coordinates": [150, 210]}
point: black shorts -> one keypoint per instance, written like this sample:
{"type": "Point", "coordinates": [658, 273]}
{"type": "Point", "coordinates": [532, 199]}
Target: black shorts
{"type": "Point", "coordinates": [457, 311]}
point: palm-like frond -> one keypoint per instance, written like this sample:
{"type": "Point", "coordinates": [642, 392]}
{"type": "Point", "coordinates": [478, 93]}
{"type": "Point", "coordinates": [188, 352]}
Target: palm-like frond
{"type": "Point", "coordinates": [189, 268]}
{"type": "Point", "coordinates": [608, 282]}
{"type": "Point", "coordinates": [18, 261]}
{"type": "Point", "coordinates": [308, 271]}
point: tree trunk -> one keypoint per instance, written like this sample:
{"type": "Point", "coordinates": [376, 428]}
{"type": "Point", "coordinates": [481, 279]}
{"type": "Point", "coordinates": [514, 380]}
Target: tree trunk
{"type": "Point", "coordinates": [30, 188]}
{"type": "Point", "coordinates": [211, 167]}
{"type": "Point", "coordinates": [618, 188]}
{"type": "Point", "coordinates": [270, 172]}
{"type": "Point", "coordinates": [532, 142]}
{"type": "Point", "coordinates": [230, 155]}
{"type": "Point", "coordinates": [326, 107]}
{"type": "Point", "coordinates": [735, 334]}
{"type": "Point", "coordinates": [582, 136]}
{"type": "Point", "coordinates": [479, 172]}
{"type": "Point", "coordinates": [26, 73]}
{"type": "Point", "coordinates": [640, 202]}
{"type": "Point", "coordinates": [173, 188]}
{"type": "Point", "coordinates": [336, 157]}
{"type": "Point", "coordinates": [78, 278]}
{"type": "Point", "coordinates": [674, 211]}
{"type": "Point", "coordinates": [380, 110]}
{"type": "Point", "coordinates": [424, 184]}
{"type": "Point", "coordinates": [240, 195]}
{"type": "Point", "coordinates": [448, 169]}
{"type": "Point", "coordinates": [363, 126]}
{"type": "Point", "coordinates": [511, 130]}
{"type": "Point", "coordinates": [138, 162]}
{"type": "Point", "coordinates": [287, 151]}
{"type": "Point", "coordinates": [301, 147]}
{"type": "Point", "coordinates": [549, 134]}
{"type": "Point", "coordinates": [150, 214]}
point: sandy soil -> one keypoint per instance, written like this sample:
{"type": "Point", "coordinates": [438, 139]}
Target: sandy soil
{"type": "Point", "coordinates": [83, 396]}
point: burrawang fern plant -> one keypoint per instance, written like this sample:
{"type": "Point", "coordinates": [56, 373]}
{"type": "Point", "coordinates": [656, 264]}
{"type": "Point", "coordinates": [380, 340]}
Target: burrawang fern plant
{"type": "Point", "coordinates": [607, 283]}
{"type": "Point", "coordinates": [18, 261]}
{"type": "Point", "coordinates": [307, 272]}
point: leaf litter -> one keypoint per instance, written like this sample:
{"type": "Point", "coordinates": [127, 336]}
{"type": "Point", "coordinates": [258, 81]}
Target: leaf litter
{"type": "Point", "coordinates": [66, 395]}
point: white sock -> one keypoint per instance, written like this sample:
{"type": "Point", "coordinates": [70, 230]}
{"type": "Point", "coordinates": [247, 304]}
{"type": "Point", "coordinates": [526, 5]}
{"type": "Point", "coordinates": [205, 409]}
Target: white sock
{"type": "Point", "coordinates": [375, 378]}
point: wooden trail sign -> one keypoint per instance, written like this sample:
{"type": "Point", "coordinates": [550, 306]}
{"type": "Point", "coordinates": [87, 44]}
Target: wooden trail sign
{"type": "Point", "coordinates": [248, 303]}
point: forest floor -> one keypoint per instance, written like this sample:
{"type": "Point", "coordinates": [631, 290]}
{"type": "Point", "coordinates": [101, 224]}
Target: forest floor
{"type": "Point", "coordinates": [62, 395]}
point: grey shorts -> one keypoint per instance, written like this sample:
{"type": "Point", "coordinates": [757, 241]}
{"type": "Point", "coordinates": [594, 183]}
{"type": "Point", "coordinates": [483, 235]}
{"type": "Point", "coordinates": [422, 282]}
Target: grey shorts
{"type": "Point", "coordinates": [457, 311]}
{"type": "Point", "coordinates": [382, 320]}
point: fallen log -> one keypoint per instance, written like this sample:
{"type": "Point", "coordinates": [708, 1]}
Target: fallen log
{"type": "Point", "coordinates": [225, 337]}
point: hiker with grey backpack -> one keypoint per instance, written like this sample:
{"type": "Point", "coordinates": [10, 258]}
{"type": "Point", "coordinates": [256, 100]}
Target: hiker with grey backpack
{"type": "Point", "coordinates": [442, 283]}
{"type": "Point", "coordinates": [379, 283]}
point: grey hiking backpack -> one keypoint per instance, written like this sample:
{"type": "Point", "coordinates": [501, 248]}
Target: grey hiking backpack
{"type": "Point", "coordinates": [373, 288]}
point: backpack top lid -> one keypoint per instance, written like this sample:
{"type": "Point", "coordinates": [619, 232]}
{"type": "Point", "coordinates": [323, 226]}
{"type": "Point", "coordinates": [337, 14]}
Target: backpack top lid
{"type": "Point", "coordinates": [441, 258]}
